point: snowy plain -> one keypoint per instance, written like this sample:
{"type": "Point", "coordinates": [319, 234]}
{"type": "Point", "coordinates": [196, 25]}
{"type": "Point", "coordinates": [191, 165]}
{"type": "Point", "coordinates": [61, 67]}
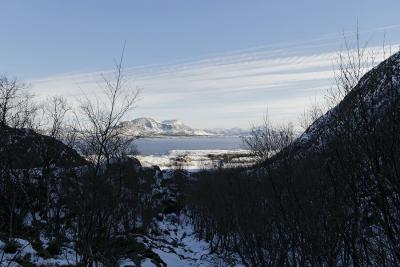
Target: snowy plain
{"type": "Point", "coordinates": [197, 160]}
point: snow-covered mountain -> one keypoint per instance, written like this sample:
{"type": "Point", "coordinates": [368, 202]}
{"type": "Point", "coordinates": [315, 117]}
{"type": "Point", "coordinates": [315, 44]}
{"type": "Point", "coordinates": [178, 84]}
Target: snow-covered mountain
{"type": "Point", "coordinates": [152, 127]}
{"type": "Point", "coordinates": [229, 131]}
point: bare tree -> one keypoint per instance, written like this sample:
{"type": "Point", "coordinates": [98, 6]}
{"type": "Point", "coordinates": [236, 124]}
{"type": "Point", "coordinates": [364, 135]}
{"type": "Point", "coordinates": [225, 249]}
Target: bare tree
{"type": "Point", "coordinates": [311, 114]}
{"type": "Point", "coordinates": [100, 129]}
{"type": "Point", "coordinates": [55, 109]}
{"type": "Point", "coordinates": [16, 108]}
{"type": "Point", "coordinates": [351, 64]}
{"type": "Point", "coordinates": [266, 140]}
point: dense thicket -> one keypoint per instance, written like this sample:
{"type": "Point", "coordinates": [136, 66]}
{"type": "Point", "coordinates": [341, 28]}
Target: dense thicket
{"type": "Point", "coordinates": [96, 202]}
{"type": "Point", "coordinates": [330, 198]}
{"type": "Point", "coordinates": [98, 214]}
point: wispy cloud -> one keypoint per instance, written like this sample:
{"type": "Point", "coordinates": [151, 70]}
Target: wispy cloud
{"type": "Point", "coordinates": [232, 89]}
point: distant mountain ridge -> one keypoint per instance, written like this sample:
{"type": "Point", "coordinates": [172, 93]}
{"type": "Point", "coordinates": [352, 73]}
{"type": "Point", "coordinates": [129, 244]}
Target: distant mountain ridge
{"type": "Point", "coordinates": [152, 127]}
{"type": "Point", "coordinates": [229, 131]}
{"type": "Point", "coordinates": [145, 126]}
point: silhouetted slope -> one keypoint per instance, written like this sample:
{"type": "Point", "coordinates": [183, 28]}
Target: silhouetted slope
{"type": "Point", "coordinates": [24, 149]}
{"type": "Point", "coordinates": [368, 102]}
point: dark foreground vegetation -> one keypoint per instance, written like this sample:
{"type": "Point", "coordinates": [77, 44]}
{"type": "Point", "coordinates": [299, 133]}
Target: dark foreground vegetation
{"type": "Point", "coordinates": [329, 198]}
{"type": "Point", "coordinates": [87, 208]}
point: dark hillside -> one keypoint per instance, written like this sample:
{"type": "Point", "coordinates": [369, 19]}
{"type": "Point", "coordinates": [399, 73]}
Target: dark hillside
{"type": "Point", "coordinates": [24, 149]}
{"type": "Point", "coordinates": [374, 97]}
{"type": "Point", "coordinates": [331, 198]}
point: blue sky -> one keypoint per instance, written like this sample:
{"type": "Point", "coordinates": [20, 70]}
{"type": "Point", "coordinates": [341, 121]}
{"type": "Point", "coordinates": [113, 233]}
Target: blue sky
{"type": "Point", "coordinates": [208, 63]}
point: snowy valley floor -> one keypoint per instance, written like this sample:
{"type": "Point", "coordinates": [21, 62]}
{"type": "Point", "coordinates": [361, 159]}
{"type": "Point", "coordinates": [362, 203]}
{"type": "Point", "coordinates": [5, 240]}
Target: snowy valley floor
{"type": "Point", "coordinates": [175, 243]}
{"type": "Point", "coordinates": [178, 246]}
{"type": "Point", "coordinates": [197, 160]}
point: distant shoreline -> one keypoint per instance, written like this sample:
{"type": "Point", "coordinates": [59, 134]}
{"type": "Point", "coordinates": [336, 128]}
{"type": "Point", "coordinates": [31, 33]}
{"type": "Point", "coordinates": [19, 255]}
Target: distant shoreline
{"type": "Point", "coordinates": [186, 136]}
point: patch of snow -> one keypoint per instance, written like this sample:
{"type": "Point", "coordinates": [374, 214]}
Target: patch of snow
{"type": "Point", "coordinates": [179, 246]}
{"type": "Point", "coordinates": [229, 132]}
{"type": "Point", "coordinates": [66, 257]}
{"type": "Point", "coordinates": [149, 263]}
{"type": "Point", "coordinates": [196, 160]}
{"type": "Point", "coordinates": [126, 263]}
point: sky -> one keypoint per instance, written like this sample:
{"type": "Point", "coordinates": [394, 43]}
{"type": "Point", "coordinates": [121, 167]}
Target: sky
{"type": "Point", "coordinates": [208, 63]}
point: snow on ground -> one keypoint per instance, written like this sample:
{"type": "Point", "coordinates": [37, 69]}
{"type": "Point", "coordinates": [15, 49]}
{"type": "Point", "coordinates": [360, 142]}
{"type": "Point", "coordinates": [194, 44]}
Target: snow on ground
{"type": "Point", "coordinates": [25, 250]}
{"type": "Point", "coordinates": [196, 160]}
{"type": "Point", "coordinates": [178, 246]}
{"type": "Point", "coordinates": [175, 243]}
